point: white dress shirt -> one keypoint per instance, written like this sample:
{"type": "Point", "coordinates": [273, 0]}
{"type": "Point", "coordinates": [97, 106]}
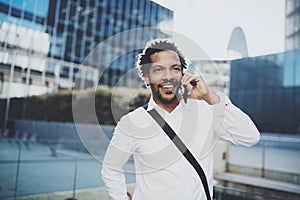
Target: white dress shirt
{"type": "Point", "coordinates": [162, 173]}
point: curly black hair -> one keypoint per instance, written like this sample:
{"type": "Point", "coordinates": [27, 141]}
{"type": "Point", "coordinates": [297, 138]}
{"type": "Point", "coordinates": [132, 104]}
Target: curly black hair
{"type": "Point", "coordinates": [154, 46]}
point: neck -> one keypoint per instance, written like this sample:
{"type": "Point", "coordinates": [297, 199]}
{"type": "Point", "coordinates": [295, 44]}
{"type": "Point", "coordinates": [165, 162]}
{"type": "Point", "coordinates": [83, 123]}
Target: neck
{"type": "Point", "coordinates": [167, 107]}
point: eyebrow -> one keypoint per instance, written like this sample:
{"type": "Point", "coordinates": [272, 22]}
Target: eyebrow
{"type": "Point", "coordinates": [176, 65]}
{"type": "Point", "coordinates": [159, 65]}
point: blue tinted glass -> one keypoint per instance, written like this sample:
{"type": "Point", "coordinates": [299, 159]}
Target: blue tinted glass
{"type": "Point", "coordinates": [18, 4]}
{"type": "Point", "coordinates": [4, 2]}
{"type": "Point", "coordinates": [32, 6]}
{"type": "Point", "coordinates": [288, 74]}
{"type": "Point", "coordinates": [260, 86]}
{"type": "Point", "coordinates": [297, 68]}
{"type": "Point", "coordinates": [42, 7]}
{"type": "Point", "coordinates": [2, 17]}
{"type": "Point", "coordinates": [147, 13]}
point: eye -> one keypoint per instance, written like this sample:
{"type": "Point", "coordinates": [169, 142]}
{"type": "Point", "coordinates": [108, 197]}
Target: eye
{"type": "Point", "coordinates": [176, 69]}
{"type": "Point", "coordinates": [157, 70]}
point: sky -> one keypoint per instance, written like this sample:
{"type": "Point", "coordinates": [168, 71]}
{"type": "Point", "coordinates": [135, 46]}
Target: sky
{"type": "Point", "coordinates": [209, 23]}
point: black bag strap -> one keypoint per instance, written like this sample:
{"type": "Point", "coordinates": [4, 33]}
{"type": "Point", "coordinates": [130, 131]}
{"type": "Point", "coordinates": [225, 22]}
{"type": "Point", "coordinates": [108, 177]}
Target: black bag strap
{"type": "Point", "coordinates": [181, 146]}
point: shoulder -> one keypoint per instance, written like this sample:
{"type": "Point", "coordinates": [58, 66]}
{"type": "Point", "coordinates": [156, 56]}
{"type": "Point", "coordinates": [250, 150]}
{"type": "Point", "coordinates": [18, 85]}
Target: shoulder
{"type": "Point", "coordinates": [138, 117]}
{"type": "Point", "coordinates": [137, 124]}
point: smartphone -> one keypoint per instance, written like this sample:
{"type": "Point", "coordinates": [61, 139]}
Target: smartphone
{"type": "Point", "coordinates": [185, 93]}
{"type": "Point", "coordinates": [185, 90]}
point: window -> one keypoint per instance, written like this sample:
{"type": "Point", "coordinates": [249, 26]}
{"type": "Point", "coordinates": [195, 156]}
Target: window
{"type": "Point", "coordinates": [1, 82]}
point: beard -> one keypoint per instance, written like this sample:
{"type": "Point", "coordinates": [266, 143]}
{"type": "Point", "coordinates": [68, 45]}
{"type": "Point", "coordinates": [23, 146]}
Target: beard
{"type": "Point", "coordinates": [159, 96]}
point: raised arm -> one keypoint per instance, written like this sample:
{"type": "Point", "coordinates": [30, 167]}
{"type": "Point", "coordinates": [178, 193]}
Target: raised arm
{"type": "Point", "coordinates": [232, 124]}
{"type": "Point", "coordinates": [229, 122]}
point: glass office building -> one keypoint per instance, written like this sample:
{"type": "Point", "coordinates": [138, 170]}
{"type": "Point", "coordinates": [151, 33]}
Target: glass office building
{"type": "Point", "coordinates": [292, 25]}
{"type": "Point", "coordinates": [24, 46]}
{"type": "Point", "coordinates": [76, 27]}
{"type": "Point", "coordinates": [268, 89]}
{"type": "Point", "coordinates": [46, 42]}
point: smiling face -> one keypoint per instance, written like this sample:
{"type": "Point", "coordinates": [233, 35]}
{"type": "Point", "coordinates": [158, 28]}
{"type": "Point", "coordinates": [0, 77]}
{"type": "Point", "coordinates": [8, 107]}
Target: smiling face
{"type": "Point", "coordinates": [164, 77]}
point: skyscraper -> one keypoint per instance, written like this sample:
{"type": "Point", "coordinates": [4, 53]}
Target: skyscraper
{"type": "Point", "coordinates": [76, 27]}
{"type": "Point", "coordinates": [45, 42]}
{"type": "Point", "coordinates": [292, 25]}
{"type": "Point", "coordinates": [24, 49]}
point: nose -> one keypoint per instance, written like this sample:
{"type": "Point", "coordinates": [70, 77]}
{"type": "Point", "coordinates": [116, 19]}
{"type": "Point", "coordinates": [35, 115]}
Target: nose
{"type": "Point", "coordinates": [168, 75]}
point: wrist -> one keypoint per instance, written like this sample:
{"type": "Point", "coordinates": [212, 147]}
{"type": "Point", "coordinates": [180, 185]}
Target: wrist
{"type": "Point", "coordinates": [211, 98]}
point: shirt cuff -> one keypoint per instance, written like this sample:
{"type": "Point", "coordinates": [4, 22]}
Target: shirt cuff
{"type": "Point", "coordinates": [219, 108]}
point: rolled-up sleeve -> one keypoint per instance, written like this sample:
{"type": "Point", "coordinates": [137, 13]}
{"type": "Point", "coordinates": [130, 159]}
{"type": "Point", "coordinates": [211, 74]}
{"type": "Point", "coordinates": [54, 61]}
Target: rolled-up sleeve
{"type": "Point", "coordinates": [233, 125]}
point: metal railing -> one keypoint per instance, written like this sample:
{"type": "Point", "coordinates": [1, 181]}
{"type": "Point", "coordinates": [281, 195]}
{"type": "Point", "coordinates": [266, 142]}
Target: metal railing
{"type": "Point", "coordinates": [16, 166]}
{"type": "Point", "coordinates": [16, 162]}
{"type": "Point", "coordinates": [276, 141]}
{"type": "Point", "coordinates": [226, 193]}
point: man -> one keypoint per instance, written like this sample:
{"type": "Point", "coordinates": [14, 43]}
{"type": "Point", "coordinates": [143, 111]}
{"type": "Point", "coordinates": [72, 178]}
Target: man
{"type": "Point", "coordinates": [161, 170]}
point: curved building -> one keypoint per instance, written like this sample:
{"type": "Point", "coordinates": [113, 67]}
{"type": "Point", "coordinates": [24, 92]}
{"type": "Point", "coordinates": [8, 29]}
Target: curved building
{"type": "Point", "coordinates": [292, 25]}
{"type": "Point", "coordinates": [237, 46]}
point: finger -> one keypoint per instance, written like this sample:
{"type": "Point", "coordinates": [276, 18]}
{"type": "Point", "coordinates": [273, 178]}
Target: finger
{"type": "Point", "coordinates": [186, 79]}
{"type": "Point", "coordinates": [190, 80]}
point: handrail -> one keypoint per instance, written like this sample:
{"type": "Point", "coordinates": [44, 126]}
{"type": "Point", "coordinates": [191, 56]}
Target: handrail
{"type": "Point", "coordinates": [218, 189]}
{"type": "Point", "coordinates": [227, 193]}
{"type": "Point", "coordinates": [280, 139]}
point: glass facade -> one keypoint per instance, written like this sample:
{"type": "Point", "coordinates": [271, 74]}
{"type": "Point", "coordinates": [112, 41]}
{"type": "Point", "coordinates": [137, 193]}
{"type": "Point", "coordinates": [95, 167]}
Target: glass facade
{"type": "Point", "coordinates": [30, 14]}
{"type": "Point", "coordinates": [292, 26]}
{"type": "Point", "coordinates": [22, 26]}
{"type": "Point", "coordinates": [77, 27]}
{"type": "Point", "coordinates": [53, 38]}
{"type": "Point", "coordinates": [268, 89]}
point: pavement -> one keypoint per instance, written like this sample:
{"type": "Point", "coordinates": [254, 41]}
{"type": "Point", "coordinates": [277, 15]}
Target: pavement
{"type": "Point", "coordinates": [41, 172]}
{"type": "Point", "coordinates": [30, 170]}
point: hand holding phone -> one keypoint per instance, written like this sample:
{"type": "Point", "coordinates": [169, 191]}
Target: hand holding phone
{"type": "Point", "coordinates": [185, 90]}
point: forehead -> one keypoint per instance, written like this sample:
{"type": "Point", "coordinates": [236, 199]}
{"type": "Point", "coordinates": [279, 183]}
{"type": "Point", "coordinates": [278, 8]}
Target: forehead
{"type": "Point", "coordinates": [166, 57]}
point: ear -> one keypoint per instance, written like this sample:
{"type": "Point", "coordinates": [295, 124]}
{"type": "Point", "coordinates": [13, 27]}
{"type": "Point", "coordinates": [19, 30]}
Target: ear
{"type": "Point", "coordinates": [147, 80]}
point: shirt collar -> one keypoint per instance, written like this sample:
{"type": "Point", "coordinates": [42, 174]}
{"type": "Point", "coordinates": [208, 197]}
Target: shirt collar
{"type": "Point", "coordinates": [152, 105]}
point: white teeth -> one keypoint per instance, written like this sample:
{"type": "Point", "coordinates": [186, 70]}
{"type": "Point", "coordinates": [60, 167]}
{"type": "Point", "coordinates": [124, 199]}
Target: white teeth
{"type": "Point", "coordinates": [168, 86]}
